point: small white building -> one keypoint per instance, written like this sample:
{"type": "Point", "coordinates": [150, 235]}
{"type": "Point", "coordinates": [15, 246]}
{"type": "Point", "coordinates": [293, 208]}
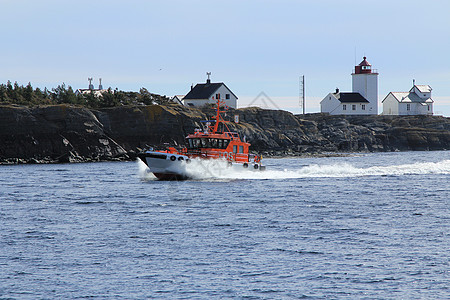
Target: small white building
{"type": "Point", "coordinates": [415, 102]}
{"type": "Point", "coordinates": [96, 92]}
{"type": "Point", "coordinates": [205, 93]}
{"type": "Point", "coordinates": [363, 100]}
{"type": "Point", "coordinates": [344, 104]}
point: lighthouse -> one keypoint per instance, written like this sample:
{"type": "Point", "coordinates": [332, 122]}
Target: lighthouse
{"type": "Point", "coordinates": [365, 82]}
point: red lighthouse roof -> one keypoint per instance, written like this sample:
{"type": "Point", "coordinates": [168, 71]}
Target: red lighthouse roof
{"type": "Point", "coordinates": [364, 62]}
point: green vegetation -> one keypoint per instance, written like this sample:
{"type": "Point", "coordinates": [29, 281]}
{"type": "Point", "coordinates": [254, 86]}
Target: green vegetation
{"type": "Point", "coordinates": [26, 95]}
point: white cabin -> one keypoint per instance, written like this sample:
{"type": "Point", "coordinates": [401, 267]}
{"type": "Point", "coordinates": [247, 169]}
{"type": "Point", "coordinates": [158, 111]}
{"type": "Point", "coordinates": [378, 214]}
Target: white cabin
{"type": "Point", "coordinates": [415, 102]}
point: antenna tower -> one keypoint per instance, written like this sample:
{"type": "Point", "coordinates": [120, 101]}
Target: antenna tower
{"type": "Point", "coordinates": [301, 97]}
{"type": "Point", "coordinates": [91, 86]}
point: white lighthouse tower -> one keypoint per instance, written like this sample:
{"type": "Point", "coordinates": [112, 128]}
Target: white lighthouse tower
{"type": "Point", "coordinates": [365, 82]}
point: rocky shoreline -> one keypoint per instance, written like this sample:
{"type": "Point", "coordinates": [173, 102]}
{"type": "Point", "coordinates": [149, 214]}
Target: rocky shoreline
{"type": "Point", "coordinates": [63, 133]}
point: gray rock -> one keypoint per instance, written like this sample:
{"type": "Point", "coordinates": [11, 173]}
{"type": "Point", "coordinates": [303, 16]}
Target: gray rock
{"type": "Point", "coordinates": [63, 133]}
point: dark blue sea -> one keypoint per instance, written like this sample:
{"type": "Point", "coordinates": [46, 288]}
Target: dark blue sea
{"type": "Point", "coordinates": [369, 226]}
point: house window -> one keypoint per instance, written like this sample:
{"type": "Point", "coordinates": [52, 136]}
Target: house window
{"type": "Point", "coordinates": [428, 107]}
{"type": "Point", "coordinates": [227, 96]}
{"type": "Point", "coordinates": [353, 106]}
{"type": "Point", "coordinates": [408, 106]}
{"type": "Point", "coordinates": [363, 107]}
{"type": "Point", "coordinates": [217, 96]}
{"type": "Point", "coordinates": [241, 149]}
{"type": "Point", "coordinates": [344, 107]}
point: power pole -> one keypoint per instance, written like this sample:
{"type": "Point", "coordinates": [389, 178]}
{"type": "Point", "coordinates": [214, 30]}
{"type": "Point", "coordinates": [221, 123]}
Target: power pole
{"type": "Point", "coordinates": [301, 97]}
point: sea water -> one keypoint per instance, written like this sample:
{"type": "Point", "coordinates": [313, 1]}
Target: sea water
{"type": "Point", "coordinates": [368, 226]}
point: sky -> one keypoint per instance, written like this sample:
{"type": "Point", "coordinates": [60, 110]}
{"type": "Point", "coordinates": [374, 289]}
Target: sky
{"type": "Point", "coordinates": [254, 47]}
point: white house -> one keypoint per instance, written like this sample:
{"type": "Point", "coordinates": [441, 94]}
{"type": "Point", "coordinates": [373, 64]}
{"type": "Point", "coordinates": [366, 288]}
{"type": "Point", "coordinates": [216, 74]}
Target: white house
{"type": "Point", "coordinates": [204, 93]}
{"type": "Point", "coordinates": [363, 100]}
{"type": "Point", "coordinates": [344, 104]}
{"type": "Point", "coordinates": [415, 102]}
{"type": "Point", "coordinates": [96, 92]}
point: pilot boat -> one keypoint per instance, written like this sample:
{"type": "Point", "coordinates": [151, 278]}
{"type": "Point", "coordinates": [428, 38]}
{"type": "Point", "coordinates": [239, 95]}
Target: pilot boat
{"type": "Point", "coordinates": [215, 142]}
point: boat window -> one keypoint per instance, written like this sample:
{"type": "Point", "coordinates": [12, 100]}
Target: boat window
{"type": "Point", "coordinates": [234, 148]}
{"type": "Point", "coordinates": [213, 143]}
{"type": "Point", "coordinates": [207, 143]}
{"type": "Point", "coordinates": [193, 143]}
{"type": "Point", "coordinates": [225, 143]}
{"type": "Point", "coordinates": [202, 143]}
{"type": "Point", "coordinates": [241, 149]}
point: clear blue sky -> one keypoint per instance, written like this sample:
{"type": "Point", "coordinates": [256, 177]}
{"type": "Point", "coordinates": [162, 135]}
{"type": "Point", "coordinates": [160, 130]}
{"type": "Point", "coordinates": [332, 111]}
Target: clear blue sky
{"type": "Point", "coordinates": [252, 46]}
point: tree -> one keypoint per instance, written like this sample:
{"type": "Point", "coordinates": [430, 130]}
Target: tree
{"type": "Point", "coordinates": [91, 100]}
{"type": "Point", "coordinates": [9, 90]}
{"type": "Point", "coordinates": [28, 93]}
{"type": "Point", "coordinates": [3, 94]}
{"type": "Point", "coordinates": [18, 94]}
{"type": "Point", "coordinates": [14, 93]}
{"type": "Point", "coordinates": [108, 99]}
{"type": "Point", "coordinates": [145, 96]}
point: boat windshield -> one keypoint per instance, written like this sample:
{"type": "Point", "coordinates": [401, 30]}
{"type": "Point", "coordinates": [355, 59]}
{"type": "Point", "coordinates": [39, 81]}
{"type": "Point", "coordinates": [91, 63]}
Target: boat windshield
{"type": "Point", "coordinates": [195, 143]}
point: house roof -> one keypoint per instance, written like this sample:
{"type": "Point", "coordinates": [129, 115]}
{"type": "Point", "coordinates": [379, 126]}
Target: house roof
{"type": "Point", "coordinates": [350, 97]}
{"type": "Point", "coordinates": [205, 90]}
{"type": "Point", "coordinates": [85, 91]}
{"type": "Point", "coordinates": [409, 97]}
{"type": "Point", "coordinates": [423, 88]}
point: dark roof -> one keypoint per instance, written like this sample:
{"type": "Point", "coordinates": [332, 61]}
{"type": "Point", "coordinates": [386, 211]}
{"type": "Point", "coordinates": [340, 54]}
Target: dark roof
{"type": "Point", "coordinates": [364, 62]}
{"type": "Point", "coordinates": [205, 90]}
{"type": "Point", "coordinates": [350, 97]}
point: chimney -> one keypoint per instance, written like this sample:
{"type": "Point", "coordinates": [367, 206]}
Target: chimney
{"type": "Point", "coordinates": [192, 87]}
{"type": "Point", "coordinates": [100, 86]}
{"type": "Point", "coordinates": [337, 91]}
{"type": "Point", "coordinates": [414, 82]}
{"type": "Point", "coordinates": [208, 81]}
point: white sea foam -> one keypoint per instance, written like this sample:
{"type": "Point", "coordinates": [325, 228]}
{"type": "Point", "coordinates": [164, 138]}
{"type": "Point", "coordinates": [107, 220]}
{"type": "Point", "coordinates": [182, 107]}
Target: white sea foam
{"type": "Point", "coordinates": [143, 171]}
{"type": "Point", "coordinates": [218, 170]}
{"type": "Point", "coordinates": [207, 170]}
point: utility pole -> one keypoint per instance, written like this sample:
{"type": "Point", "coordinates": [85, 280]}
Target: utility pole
{"type": "Point", "coordinates": [301, 97]}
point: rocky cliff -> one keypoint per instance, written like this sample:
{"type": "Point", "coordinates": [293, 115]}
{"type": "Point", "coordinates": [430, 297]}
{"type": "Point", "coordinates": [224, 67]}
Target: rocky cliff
{"type": "Point", "coordinates": [65, 133]}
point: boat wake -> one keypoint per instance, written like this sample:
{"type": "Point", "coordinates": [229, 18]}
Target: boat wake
{"type": "Point", "coordinates": [218, 170]}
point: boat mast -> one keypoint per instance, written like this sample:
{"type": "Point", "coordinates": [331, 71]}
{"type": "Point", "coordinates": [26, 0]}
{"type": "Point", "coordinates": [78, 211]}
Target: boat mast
{"type": "Point", "coordinates": [218, 117]}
